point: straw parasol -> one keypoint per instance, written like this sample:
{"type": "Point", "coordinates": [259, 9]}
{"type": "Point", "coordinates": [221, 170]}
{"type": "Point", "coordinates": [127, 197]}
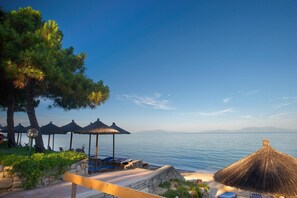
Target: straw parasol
{"type": "Point", "coordinates": [20, 129]}
{"type": "Point", "coordinates": [71, 127]}
{"type": "Point", "coordinates": [265, 171]}
{"type": "Point", "coordinates": [4, 129]}
{"type": "Point", "coordinates": [121, 131]}
{"type": "Point", "coordinates": [96, 128]}
{"type": "Point", "coordinates": [51, 129]}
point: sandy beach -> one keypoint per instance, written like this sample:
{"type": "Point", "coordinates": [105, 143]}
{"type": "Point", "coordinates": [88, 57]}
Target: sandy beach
{"type": "Point", "coordinates": [215, 188]}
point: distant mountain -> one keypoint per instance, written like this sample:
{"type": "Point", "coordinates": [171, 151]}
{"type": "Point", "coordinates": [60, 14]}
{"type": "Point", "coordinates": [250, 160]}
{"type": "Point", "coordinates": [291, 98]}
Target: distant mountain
{"type": "Point", "coordinates": [159, 131]}
{"type": "Point", "coordinates": [264, 129]}
{"type": "Point", "coordinates": [246, 129]}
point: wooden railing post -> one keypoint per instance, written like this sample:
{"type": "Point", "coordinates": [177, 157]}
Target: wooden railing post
{"type": "Point", "coordinates": [105, 187]}
{"type": "Point", "coordinates": [73, 190]}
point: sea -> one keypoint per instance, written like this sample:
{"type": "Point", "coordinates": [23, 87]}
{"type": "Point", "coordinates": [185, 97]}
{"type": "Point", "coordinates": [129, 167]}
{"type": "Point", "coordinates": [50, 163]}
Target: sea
{"type": "Point", "coordinates": [202, 152]}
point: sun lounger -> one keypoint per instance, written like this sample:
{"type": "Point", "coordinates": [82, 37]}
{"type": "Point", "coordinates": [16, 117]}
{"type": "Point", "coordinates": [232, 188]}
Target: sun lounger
{"type": "Point", "coordinates": [100, 168]}
{"type": "Point", "coordinates": [126, 161]}
{"type": "Point", "coordinates": [228, 195]}
{"type": "Point", "coordinates": [256, 195]}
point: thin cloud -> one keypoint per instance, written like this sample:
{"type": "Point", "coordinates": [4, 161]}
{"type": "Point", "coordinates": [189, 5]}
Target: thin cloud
{"type": "Point", "coordinates": [217, 113]}
{"type": "Point", "coordinates": [252, 92]}
{"type": "Point", "coordinates": [247, 93]}
{"type": "Point", "coordinates": [286, 101]}
{"type": "Point", "coordinates": [148, 101]}
{"type": "Point", "coordinates": [247, 117]}
{"type": "Point", "coordinates": [283, 115]}
{"type": "Point", "coordinates": [226, 100]}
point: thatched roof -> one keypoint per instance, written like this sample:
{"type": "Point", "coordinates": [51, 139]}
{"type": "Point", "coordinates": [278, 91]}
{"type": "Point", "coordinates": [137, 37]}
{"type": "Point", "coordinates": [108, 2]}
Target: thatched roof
{"type": "Point", "coordinates": [71, 127]}
{"type": "Point", "coordinates": [51, 129]}
{"type": "Point", "coordinates": [121, 131]}
{"type": "Point", "coordinates": [20, 129]}
{"type": "Point", "coordinates": [17, 129]}
{"type": "Point", "coordinates": [265, 171]}
{"type": "Point", "coordinates": [4, 129]}
{"type": "Point", "coordinates": [97, 127]}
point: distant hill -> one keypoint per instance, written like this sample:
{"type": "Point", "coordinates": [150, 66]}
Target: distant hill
{"type": "Point", "coordinates": [246, 129]}
{"type": "Point", "coordinates": [264, 129]}
{"type": "Point", "coordinates": [160, 131]}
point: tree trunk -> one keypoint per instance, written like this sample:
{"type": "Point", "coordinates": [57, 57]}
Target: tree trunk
{"type": "Point", "coordinates": [10, 122]}
{"type": "Point", "coordinates": [32, 116]}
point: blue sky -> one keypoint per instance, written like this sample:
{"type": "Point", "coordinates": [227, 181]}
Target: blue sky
{"type": "Point", "coordinates": [181, 65]}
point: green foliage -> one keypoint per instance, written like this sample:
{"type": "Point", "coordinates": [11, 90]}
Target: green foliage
{"type": "Point", "coordinates": [186, 189]}
{"type": "Point", "coordinates": [33, 60]}
{"type": "Point", "coordinates": [165, 185]}
{"type": "Point", "coordinates": [31, 51]}
{"type": "Point", "coordinates": [39, 164]}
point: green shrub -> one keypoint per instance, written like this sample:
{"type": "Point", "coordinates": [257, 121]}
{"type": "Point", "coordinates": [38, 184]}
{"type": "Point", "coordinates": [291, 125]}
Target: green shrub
{"type": "Point", "coordinates": [178, 188]}
{"type": "Point", "coordinates": [165, 185]}
{"type": "Point", "coordinates": [39, 164]}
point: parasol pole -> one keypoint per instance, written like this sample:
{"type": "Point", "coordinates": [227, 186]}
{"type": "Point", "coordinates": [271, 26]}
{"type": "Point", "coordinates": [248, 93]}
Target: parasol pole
{"type": "Point", "coordinates": [53, 141]}
{"type": "Point", "coordinates": [96, 154]}
{"type": "Point", "coordinates": [113, 146]}
{"type": "Point", "coordinates": [48, 140]}
{"type": "Point", "coordinates": [96, 157]}
{"type": "Point", "coordinates": [18, 137]}
{"type": "Point", "coordinates": [90, 146]}
{"type": "Point", "coordinates": [71, 135]}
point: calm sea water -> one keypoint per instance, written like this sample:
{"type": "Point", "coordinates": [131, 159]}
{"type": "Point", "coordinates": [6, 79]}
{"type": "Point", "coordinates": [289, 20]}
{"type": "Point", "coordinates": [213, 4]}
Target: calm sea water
{"type": "Point", "coordinates": [207, 152]}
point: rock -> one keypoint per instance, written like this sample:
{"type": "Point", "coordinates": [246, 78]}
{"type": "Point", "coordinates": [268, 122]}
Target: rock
{"type": "Point", "coordinates": [16, 179]}
{"type": "Point", "coordinates": [52, 178]}
{"type": "Point", "coordinates": [6, 174]}
{"type": "Point", "coordinates": [83, 166]}
{"type": "Point", "coordinates": [17, 174]}
{"type": "Point", "coordinates": [1, 167]}
{"type": "Point", "coordinates": [78, 168]}
{"type": "Point", "coordinates": [73, 166]}
{"type": "Point", "coordinates": [17, 189]}
{"type": "Point", "coordinates": [17, 184]}
{"type": "Point", "coordinates": [7, 168]}
{"type": "Point", "coordinates": [45, 181]}
{"type": "Point", "coordinates": [5, 182]}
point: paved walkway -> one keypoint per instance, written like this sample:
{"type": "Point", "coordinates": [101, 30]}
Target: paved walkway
{"type": "Point", "coordinates": [63, 189]}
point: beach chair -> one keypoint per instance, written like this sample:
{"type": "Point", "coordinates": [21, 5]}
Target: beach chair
{"type": "Point", "coordinates": [126, 161]}
{"type": "Point", "coordinates": [228, 195]}
{"type": "Point", "coordinates": [101, 168]}
{"type": "Point", "coordinates": [256, 195]}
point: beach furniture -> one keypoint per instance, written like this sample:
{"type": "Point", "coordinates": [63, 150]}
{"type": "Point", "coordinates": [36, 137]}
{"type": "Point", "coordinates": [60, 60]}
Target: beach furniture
{"type": "Point", "coordinates": [228, 195]}
{"type": "Point", "coordinates": [101, 168]}
{"type": "Point", "coordinates": [256, 195]}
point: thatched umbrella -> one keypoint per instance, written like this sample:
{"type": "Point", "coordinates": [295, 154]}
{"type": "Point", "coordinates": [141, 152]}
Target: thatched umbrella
{"type": "Point", "coordinates": [51, 129]}
{"type": "Point", "coordinates": [265, 171]}
{"type": "Point", "coordinates": [121, 131]}
{"type": "Point", "coordinates": [96, 128]}
{"type": "Point", "coordinates": [71, 127]}
{"type": "Point", "coordinates": [20, 129]}
{"type": "Point", "coordinates": [4, 129]}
